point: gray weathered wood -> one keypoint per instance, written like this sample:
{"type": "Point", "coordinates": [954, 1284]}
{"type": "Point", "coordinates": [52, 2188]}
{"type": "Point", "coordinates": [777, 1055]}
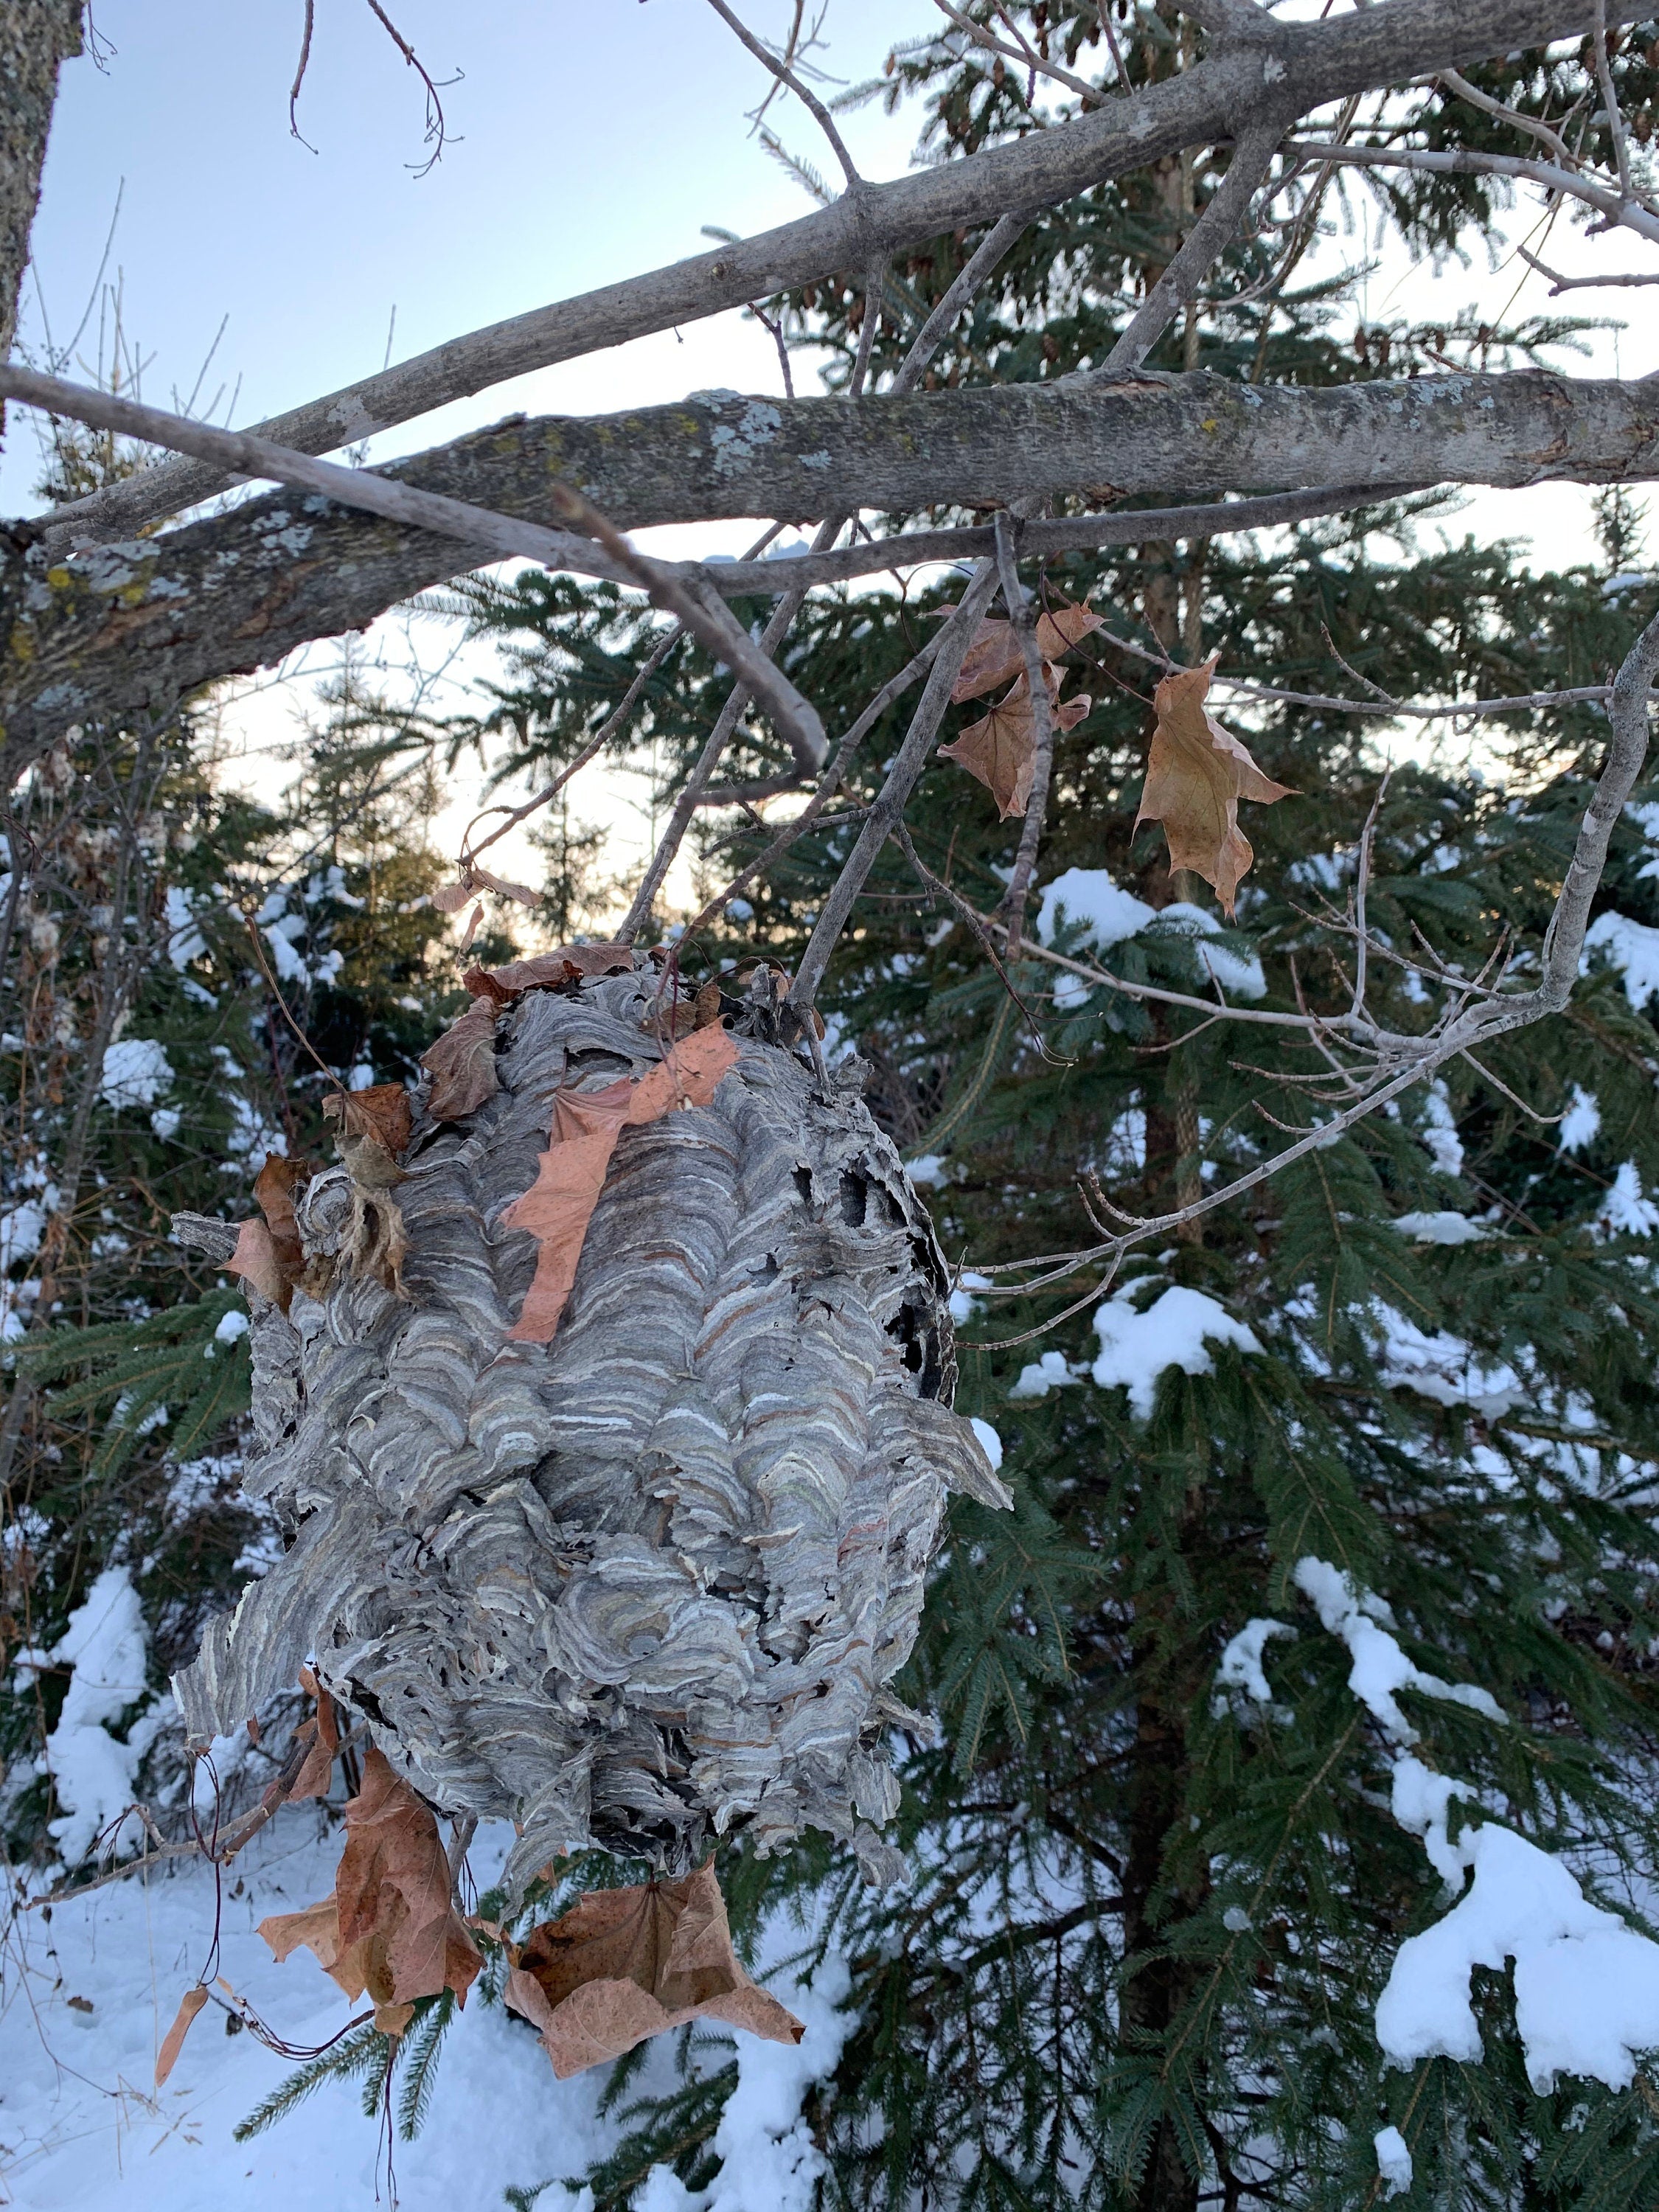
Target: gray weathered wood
{"type": "Point", "coordinates": [134, 625]}
{"type": "Point", "coordinates": [36, 37]}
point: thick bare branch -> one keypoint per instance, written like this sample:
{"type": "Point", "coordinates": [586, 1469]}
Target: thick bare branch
{"type": "Point", "coordinates": [1285, 69]}
{"type": "Point", "coordinates": [36, 37]}
{"type": "Point", "coordinates": [1205, 243]}
{"type": "Point", "coordinates": [1621, 214]}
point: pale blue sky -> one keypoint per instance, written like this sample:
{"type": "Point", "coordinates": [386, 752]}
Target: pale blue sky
{"type": "Point", "coordinates": [593, 138]}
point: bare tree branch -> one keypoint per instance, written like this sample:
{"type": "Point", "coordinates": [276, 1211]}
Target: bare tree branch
{"type": "Point", "coordinates": [1205, 243]}
{"type": "Point", "coordinates": [786, 76]}
{"type": "Point", "coordinates": [1618, 214]}
{"type": "Point", "coordinates": [1283, 68]}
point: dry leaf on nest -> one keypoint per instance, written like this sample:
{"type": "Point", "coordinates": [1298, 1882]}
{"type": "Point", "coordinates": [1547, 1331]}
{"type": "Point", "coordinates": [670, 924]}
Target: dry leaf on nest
{"type": "Point", "coordinates": [625, 1963]}
{"type": "Point", "coordinates": [450, 898]}
{"type": "Point", "coordinates": [462, 1064]}
{"type": "Point", "coordinates": [1001, 750]}
{"type": "Point", "coordinates": [558, 1205]}
{"type": "Point", "coordinates": [567, 963]}
{"type": "Point", "coordinates": [173, 2042]}
{"type": "Point", "coordinates": [391, 1927]}
{"type": "Point", "coordinates": [373, 1133]}
{"type": "Point", "coordinates": [323, 1737]}
{"type": "Point", "coordinates": [1196, 773]}
{"type": "Point", "coordinates": [255, 1261]}
{"type": "Point", "coordinates": [483, 985]}
{"type": "Point", "coordinates": [273, 1191]}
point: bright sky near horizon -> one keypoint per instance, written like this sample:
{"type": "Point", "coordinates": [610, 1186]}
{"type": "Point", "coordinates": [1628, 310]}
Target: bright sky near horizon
{"type": "Point", "coordinates": [590, 142]}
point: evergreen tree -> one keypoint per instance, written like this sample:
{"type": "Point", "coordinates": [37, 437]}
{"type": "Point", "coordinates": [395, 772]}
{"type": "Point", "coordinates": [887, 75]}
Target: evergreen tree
{"type": "Point", "coordinates": [1158, 1881]}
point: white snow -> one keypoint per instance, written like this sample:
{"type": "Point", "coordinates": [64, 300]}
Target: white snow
{"type": "Point", "coordinates": [928, 1172]}
{"type": "Point", "coordinates": [83, 2127]}
{"type": "Point", "coordinates": [1439, 1132]}
{"type": "Point", "coordinates": [1442, 1366]}
{"type": "Point", "coordinates": [136, 1072]}
{"type": "Point", "coordinates": [92, 1770]}
{"type": "Point", "coordinates": [989, 1439]}
{"type": "Point", "coordinates": [21, 1228]}
{"type": "Point", "coordinates": [1108, 916]}
{"type": "Point", "coordinates": [1092, 902]}
{"type": "Point", "coordinates": [770, 2163]}
{"type": "Point", "coordinates": [1380, 1667]}
{"type": "Point", "coordinates": [1241, 1666]}
{"type": "Point", "coordinates": [1054, 1371]}
{"type": "Point", "coordinates": [186, 942]}
{"type": "Point", "coordinates": [963, 1307]}
{"type": "Point", "coordinates": [1586, 1986]}
{"type": "Point", "coordinates": [231, 1326]}
{"type": "Point", "coordinates": [1629, 947]}
{"type": "Point", "coordinates": [1581, 1123]}
{"type": "Point", "coordinates": [1439, 1228]}
{"type": "Point", "coordinates": [1393, 2160]}
{"type": "Point", "coordinates": [1135, 1348]}
{"type": "Point", "coordinates": [1625, 1211]}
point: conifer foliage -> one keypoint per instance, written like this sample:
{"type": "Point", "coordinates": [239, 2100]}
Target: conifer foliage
{"type": "Point", "coordinates": [1167, 1851]}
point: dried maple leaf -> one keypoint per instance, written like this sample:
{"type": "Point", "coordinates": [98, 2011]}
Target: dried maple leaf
{"type": "Point", "coordinates": [375, 1132]}
{"type": "Point", "coordinates": [472, 929]}
{"type": "Point", "coordinates": [558, 1205]}
{"type": "Point", "coordinates": [323, 1737]}
{"type": "Point", "coordinates": [995, 654]}
{"type": "Point", "coordinates": [1196, 773]}
{"type": "Point", "coordinates": [391, 1927]}
{"type": "Point", "coordinates": [255, 1261]}
{"type": "Point", "coordinates": [173, 2042]}
{"type": "Point", "coordinates": [1001, 750]}
{"type": "Point", "coordinates": [563, 965]}
{"type": "Point", "coordinates": [625, 1963]}
{"type": "Point", "coordinates": [273, 1191]}
{"type": "Point", "coordinates": [483, 985]}
{"type": "Point", "coordinates": [462, 1064]}
{"type": "Point", "coordinates": [503, 889]}
{"type": "Point", "coordinates": [450, 898]}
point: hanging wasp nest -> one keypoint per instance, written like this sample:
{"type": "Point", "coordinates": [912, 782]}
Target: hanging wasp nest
{"type": "Point", "coordinates": [653, 1578]}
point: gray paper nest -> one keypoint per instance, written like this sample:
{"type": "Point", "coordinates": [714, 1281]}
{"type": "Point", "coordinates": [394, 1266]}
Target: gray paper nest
{"type": "Point", "coordinates": [653, 1578]}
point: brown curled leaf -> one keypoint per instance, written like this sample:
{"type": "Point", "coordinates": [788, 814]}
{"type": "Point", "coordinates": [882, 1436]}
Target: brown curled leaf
{"type": "Point", "coordinates": [450, 898]}
{"type": "Point", "coordinates": [462, 1064]}
{"type": "Point", "coordinates": [316, 1777]}
{"type": "Point", "coordinates": [996, 654]}
{"type": "Point", "coordinates": [567, 963]}
{"type": "Point", "coordinates": [503, 889]}
{"type": "Point", "coordinates": [1001, 750]}
{"type": "Point", "coordinates": [1197, 771]}
{"type": "Point", "coordinates": [374, 1127]}
{"type": "Point", "coordinates": [483, 985]}
{"type": "Point", "coordinates": [255, 1261]}
{"type": "Point", "coordinates": [558, 1205]}
{"type": "Point", "coordinates": [391, 1928]}
{"type": "Point", "coordinates": [625, 1963]}
{"type": "Point", "coordinates": [472, 929]}
{"type": "Point", "coordinates": [173, 2041]}
{"type": "Point", "coordinates": [273, 1190]}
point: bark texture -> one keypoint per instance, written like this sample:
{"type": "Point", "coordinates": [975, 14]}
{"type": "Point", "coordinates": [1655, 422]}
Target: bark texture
{"type": "Point", "coordinates": [652, 1580]}
{"type": "Point", "coordinates": [36, 37]}
{"type": "Point", "coordinates": [1267, 72]}
{"type": "Point", "coordinates": [134, 626]}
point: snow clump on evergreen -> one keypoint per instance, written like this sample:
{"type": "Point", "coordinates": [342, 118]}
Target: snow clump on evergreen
{"type": "Point", "coordinates": [1393, 2162]}
{"type": "Point", "coordinates": [1106, 914]}
{"type": "Point", "coordinates": [1631, 947]}
{"type": "Point", "coordinates": [137, 1072]}
{"type": "Point", "coordinates": [1240, 1668]}
{"type": "Point", "coordinates": [92, 1770]}
{"type": "Point", "coordinates": [1175, 1331]}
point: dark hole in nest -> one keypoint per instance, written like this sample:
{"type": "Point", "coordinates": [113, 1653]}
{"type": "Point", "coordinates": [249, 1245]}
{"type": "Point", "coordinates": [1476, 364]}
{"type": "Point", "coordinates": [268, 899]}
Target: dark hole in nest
{"type": "Point", "coordinates": [854, 1199]}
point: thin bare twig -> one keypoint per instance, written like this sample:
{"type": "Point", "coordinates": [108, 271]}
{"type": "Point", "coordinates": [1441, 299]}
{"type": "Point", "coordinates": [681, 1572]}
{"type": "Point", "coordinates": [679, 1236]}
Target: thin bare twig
{"type": "Point", "coordinates": [1043, 729]}
{"type": "Point", "coordinates": [1621, 213]}
{"type": "Point", "coordinates": [787, 77]}
{"type": "Point", "coordinates": [1025, 55]}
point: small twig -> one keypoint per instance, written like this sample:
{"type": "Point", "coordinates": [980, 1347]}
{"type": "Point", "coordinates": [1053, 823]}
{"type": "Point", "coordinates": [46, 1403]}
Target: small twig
{"type": "Point", "coordinates": [300, 75]}
{"type": "Point", "coordinates": [1362, 884]}
{"type": "Point", "coordinates": [1559, 283]}
{"type": "Point", "coordinates": [786, 76]}
{"type": "Point", "coordinates": [1610, 98]}
{"type": "Point", "coordinates": [902, 839]}
{"type": "Point", "coordinates": [1620, 212]}
{"type": "Point", "coordinates": [1025, 55]}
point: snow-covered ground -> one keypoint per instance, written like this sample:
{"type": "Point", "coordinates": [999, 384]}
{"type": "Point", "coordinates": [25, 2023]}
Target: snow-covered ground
{"type": "Point", "coordinates": [88, 1996]}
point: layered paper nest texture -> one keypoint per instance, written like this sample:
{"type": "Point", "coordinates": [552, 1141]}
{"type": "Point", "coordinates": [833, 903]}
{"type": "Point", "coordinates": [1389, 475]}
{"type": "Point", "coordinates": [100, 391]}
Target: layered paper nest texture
{"type": "Point", "coordinates": [654, 1578]}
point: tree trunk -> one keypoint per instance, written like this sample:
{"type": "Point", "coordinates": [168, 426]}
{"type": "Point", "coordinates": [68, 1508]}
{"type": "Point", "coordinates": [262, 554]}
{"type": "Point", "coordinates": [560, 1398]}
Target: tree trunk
{"type": "Point", "coordinates": [36, 36]}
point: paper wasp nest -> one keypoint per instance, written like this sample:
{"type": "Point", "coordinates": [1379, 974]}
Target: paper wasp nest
{"type": "Point", "coordinates": [652, 1579]}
